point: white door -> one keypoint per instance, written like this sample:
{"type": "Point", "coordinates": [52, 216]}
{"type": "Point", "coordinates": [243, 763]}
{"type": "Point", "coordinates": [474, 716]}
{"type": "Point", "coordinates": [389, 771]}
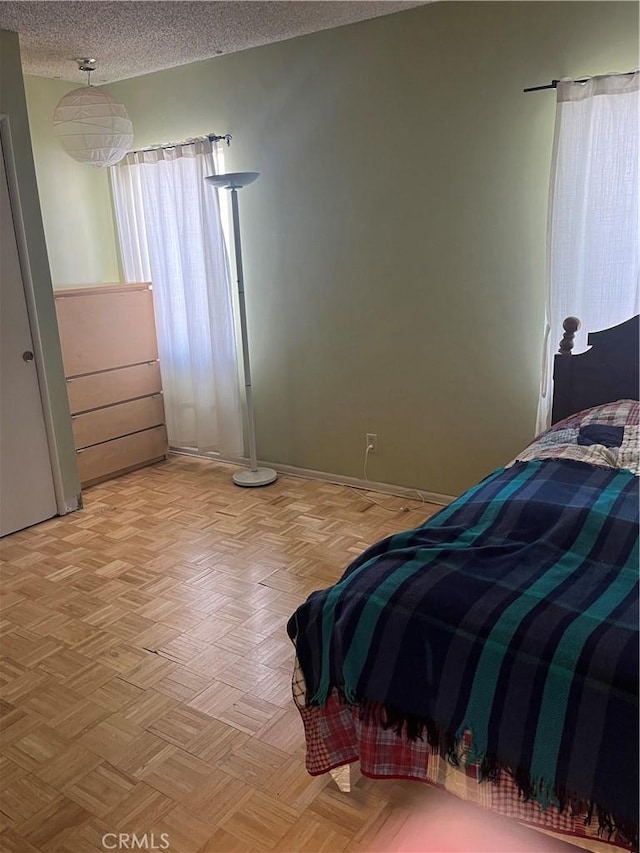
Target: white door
{"type": "Point", "coordinates": [26, 483]}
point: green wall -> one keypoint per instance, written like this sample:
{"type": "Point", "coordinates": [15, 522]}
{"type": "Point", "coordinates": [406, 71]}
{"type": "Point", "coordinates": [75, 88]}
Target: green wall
{"type": "Point", "coordinates": [76, 200]}
{"type": "Point", "coordinates": [54, 389]}
{"type": "Point", "coordinates": [395, 244]}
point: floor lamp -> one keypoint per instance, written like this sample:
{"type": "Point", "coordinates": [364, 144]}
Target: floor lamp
{"type": "Point", "coordinates": [234, 181]}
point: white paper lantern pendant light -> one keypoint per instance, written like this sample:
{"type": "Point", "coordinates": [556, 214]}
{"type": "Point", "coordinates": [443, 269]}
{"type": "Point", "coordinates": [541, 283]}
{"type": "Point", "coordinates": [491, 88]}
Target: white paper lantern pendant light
{"type": "Point", "coordinates": [91, 125]}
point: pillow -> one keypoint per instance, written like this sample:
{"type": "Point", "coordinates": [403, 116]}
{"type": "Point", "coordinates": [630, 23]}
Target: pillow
{"type": "Point", "coordinates": [606, 436]}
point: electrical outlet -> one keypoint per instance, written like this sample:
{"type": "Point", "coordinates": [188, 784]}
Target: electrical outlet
{"type": "Point", "coordinates": [372, 442]}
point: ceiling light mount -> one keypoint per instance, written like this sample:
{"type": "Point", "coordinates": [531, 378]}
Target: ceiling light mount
{"type": "Point", "coordinates": [86, 64]}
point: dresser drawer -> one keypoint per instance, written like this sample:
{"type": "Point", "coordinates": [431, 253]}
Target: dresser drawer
{"type": "Point", "coordinates": [122, 454]}
{"type": "Point", "coordinates": [115, 421]}
{"type": "Point", "coordinates": [103, 330]}
{"type": "Point", "coordinates": [113, 386]}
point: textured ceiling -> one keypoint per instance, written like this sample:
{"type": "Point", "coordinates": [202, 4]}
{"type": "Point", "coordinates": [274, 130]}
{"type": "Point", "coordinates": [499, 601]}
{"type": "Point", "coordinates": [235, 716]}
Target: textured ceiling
{"type": "Point", "coordinates": [130, 38]}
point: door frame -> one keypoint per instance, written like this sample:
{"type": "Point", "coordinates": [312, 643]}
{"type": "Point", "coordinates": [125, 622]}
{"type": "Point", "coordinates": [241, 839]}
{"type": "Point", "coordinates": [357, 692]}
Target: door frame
{"type": "Point", "coordinates": [32, 314]}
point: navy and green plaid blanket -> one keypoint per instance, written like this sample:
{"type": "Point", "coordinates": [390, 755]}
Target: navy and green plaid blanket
{"type": "Point", "coordinates": [511, 615]}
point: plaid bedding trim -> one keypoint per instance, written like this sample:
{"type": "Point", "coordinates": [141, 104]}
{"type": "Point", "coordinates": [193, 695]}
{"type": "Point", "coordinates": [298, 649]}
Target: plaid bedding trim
{"type": "Point", "coordinates": [567, 439]}
{"type": "Point", "coordinates": [335, 735]}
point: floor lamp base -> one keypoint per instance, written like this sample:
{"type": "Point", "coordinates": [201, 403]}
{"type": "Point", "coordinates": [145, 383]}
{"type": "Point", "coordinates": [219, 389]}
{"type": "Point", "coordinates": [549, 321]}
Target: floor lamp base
{"type": "Point", "coordinates": [259, 477]}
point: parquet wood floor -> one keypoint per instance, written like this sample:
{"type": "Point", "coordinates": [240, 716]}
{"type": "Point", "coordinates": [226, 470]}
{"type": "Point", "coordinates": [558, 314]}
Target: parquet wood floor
{"type": "Point", "coordinates": [145, 668]}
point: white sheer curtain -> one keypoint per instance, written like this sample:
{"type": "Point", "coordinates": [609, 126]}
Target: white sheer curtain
{"type": "Point", "coordinates": [593, 243]}
{"type": "Point", "coordinates": [170, 233]}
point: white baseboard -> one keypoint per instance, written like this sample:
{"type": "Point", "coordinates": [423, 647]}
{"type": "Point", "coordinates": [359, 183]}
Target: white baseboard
{"type": "Point", "coordinates": [338, 479]}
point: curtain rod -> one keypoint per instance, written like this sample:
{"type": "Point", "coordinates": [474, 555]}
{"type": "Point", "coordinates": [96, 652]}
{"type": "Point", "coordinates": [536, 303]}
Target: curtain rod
{"type": "Point", "coordinates": [212, 137]}
{"type": "Point", "coordinates": [554, 83]}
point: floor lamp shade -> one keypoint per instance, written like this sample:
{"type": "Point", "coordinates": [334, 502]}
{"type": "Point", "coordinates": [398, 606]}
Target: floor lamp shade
{"type": "Point", "coordinates": [234, 181]}
{"type": "Point", "coordinates": [92, 126]}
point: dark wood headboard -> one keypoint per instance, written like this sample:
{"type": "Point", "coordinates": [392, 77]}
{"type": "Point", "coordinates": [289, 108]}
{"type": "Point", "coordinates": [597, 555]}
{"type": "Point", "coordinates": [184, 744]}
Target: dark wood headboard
{"type": "Point", "coordinates": [606, 372]}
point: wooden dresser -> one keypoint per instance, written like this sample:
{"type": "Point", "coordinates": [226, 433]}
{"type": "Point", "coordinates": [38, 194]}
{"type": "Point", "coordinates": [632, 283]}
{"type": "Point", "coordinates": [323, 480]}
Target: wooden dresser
{"type": "Point", "coordinates": [110, 357]}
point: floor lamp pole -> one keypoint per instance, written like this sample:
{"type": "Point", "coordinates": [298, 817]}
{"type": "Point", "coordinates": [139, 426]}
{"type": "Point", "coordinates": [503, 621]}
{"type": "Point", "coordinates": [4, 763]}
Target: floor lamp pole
{"type": "Point", "coordinates": [255, 476]}
{"type": "Point", "coordinates": [253, 457]}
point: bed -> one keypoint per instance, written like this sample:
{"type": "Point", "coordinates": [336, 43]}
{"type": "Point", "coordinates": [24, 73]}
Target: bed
{"type": "Point", "coordinates": [498, 641]}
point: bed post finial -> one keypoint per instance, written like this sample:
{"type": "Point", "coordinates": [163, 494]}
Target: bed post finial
{"type": "Point", "coordinates": [570, 326]}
